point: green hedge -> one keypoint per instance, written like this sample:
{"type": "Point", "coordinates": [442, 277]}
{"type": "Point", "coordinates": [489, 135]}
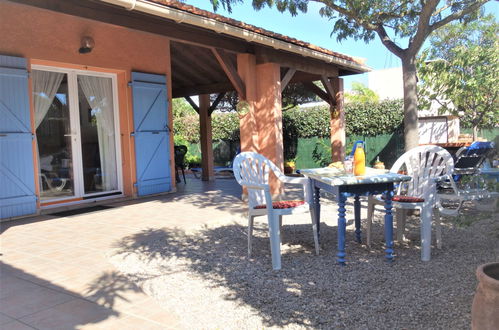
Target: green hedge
{"type": "Point", "coordinates": [306, 132]}
{"type": "Point", "coordinates": [361, 119]}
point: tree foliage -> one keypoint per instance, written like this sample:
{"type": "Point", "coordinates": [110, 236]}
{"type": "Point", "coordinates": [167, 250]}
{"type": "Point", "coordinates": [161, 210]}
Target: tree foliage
{"type": "Point", "coordinates": [361, 94]}
{"type": "Point", "coordinates": [460, 71]}
{"type": "Point", "coordinates": [392, 21]}
{"type": "Point", "coordinates": [181, 108]}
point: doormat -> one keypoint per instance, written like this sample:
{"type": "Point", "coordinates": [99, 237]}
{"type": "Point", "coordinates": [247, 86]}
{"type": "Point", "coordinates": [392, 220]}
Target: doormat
{"type": "Point", "coordinates": [81, 211]}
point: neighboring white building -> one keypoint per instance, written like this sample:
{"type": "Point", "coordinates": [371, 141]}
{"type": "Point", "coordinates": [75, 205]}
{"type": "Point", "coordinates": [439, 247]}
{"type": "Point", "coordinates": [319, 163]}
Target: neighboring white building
{"type": "Point", "coordinates": [387, 83]}
{"type": "Point", "coordinates": [433, 126]}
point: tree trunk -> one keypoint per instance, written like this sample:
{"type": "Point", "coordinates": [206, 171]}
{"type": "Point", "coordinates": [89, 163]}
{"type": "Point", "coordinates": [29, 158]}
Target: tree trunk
{"type": "Point", "coordinates": [411, 134]}
{"type": "Point", "coordinates": [475, 131]}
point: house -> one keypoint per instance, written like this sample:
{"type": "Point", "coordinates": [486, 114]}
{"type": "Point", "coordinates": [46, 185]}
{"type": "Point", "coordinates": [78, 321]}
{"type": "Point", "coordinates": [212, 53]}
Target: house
{"type": "Point", "coordinates": [86, 89]}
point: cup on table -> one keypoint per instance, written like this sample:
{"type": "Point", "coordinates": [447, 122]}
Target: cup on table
{"type": "Point", "coordinates": [348, 165]}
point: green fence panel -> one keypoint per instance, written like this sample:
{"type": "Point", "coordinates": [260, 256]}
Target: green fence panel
{"type": "Point", "coordinates": [388, 147]}
{"type": "Point", "coordinates": [223, 151]}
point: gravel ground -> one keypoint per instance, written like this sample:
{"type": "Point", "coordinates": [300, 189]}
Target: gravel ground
{"type": "Point", "coordinates": [204, 276]}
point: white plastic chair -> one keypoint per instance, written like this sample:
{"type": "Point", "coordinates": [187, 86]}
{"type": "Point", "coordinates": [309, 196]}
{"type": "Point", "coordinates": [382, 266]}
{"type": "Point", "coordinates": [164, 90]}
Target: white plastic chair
{"type": "Point", "coordinates": [427, 165]}
{"type": "Point", "coordinates": [252, 171]}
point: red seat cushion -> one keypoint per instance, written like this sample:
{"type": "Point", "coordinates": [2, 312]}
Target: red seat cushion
{"type": "Point", "coordinates": [407, 199]}
{"type": "Point", "coordinates": [282, 205]}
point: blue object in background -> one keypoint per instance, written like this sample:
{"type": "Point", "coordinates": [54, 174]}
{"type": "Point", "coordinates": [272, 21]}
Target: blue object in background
{"type": "Point", "coordinates": [152, 134]}
{"type": "Point", "coordinates": [17, 181]}
{"type": "Point", "coordinates": [355, 146]}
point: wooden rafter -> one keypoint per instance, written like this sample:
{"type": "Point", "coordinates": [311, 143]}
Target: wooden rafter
{"type": "Point", "coordinates": [287, 78]}
{"type": "Point", "coordinates": [198, 59]}
{"type": "Point", "coordinates": [201, 89]}
{"type": "Point", "coordinates": [300, 63]}
{"type": "Point", "coordinates": [192, 103]}
{"type": "Point", "coordinates": [329, 89]}
{"type": "Point", "coordinates": [230, 71]}
{"type": "Point", "coordinates": [215, 103]}
{"type": "Point", "coordinates": [317, 91]}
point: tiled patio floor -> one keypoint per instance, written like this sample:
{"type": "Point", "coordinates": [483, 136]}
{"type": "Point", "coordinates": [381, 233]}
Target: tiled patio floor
{"type": "Point", "coordinates": [54, 271]}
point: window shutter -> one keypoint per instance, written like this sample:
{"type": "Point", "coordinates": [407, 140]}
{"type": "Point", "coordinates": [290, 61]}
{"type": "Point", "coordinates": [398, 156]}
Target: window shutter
{"type": "Point", "coordinates": [152, 135]}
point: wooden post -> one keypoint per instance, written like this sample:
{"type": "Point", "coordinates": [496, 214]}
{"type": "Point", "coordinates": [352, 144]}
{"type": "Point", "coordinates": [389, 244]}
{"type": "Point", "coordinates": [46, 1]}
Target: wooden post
{"type": "Point", "coordinates": [337, 121]}
{"type": "Point", "coordinates": [208, 173]}
{"type": "Point", "coordinates": [268, 118]}
{"type": "Point", "coordinates": [246, 68]}
{"type": "Point", "coordinates": [261, 127]}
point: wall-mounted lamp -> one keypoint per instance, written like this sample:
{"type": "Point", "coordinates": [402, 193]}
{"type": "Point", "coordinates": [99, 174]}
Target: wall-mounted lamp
{"type": "Point", "coordinates": [87, 44]}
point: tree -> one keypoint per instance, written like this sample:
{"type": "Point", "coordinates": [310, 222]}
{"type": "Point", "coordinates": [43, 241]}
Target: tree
{"type": "Point", "coordinates": [408, 20]}
{"type": "Point", "coordinates": [460, 71]}
{"type": "Point", "coordinates": [361, 94]}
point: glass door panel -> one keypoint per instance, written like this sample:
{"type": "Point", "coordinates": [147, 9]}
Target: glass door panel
{"type": "Point", "coordinates": [54, 135]}
{"type": "Point", "coordinates": [97, 131]}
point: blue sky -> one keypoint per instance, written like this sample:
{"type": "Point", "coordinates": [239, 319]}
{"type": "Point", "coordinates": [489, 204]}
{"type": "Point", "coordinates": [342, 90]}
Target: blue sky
{"type": "Point", "coordinates": [313, 28]}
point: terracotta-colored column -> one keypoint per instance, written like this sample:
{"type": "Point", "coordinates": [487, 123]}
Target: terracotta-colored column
{"type": "Point", "coordinates": [206, 139]}
{"type": "Point", "coordinates": [268, 118]}
{"type": "Point", "coordinates": [337, 122]}
{"type": "Point", "coordinates": [246, 67]}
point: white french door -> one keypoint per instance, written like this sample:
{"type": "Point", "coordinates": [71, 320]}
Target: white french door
{"type": "Point", "coordinates": [77, 132]}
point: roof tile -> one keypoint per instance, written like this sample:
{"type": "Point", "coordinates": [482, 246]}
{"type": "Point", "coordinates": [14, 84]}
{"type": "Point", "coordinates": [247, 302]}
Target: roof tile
{"type": "Point", "coordinates": [203, 13]}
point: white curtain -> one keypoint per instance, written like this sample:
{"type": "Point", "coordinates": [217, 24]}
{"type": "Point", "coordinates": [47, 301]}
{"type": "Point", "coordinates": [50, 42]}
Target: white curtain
{"type": "Point", "coordinates": [99, 94]}
{"type": "Point", "coordinates": [45, 86]}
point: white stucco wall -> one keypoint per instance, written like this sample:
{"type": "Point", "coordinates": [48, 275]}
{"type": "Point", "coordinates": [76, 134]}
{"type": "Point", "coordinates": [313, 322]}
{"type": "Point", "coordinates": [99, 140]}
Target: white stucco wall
{"type": "Point", "coordinates": [387, 83]}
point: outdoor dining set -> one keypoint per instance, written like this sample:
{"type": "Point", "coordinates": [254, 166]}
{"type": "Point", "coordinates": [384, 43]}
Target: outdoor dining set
{"type": "Point", "coordinates": [426, 178]}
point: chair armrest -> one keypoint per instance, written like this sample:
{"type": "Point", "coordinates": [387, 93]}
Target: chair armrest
{"type": "Point", "coordinates": [251, 185]}
{"type": "Point", "coordinates": [292, 180]}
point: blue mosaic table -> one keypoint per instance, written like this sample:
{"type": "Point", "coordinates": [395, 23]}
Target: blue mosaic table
{"type": "Point", "coordinates": [336, 182]}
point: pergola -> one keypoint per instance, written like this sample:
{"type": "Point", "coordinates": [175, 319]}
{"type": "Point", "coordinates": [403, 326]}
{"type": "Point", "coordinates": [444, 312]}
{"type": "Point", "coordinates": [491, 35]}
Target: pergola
{"type": "Point", "coordinates": [212, 54]}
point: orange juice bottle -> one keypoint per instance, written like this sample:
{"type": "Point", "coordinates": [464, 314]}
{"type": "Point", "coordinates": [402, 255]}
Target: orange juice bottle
{"type": "Point", "coordinates": [359, 160]}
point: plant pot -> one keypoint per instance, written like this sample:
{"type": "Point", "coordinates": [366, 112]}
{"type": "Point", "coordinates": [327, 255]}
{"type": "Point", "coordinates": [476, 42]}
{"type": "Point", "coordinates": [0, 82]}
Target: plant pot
{"type": "Point", "coordinates": [485, 310]}
{"type": "Point", "coordinates": [289, 170]}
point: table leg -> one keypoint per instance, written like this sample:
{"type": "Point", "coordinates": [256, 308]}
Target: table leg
{"type": "Point", "coordinates": [317, 210]}
{"type": "Point", "coordinates": [342, 225]}
{"type": "Point", "coordinates": [388, 225]}
{"type": "Point", "coordinates": [356, 205]}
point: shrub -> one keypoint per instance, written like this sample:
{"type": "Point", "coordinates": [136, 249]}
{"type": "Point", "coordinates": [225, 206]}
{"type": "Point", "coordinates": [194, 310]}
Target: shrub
{"type": "Point", "coordinates": [361, 119]}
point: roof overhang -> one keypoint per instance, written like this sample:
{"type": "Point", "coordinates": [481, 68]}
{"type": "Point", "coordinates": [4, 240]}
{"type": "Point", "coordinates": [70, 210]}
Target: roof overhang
{"type": "Point", "coordinates": [182, 16]}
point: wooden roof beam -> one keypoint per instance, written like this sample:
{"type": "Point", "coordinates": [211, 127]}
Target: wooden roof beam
{"type": "Point", "coordinates": [201, 89]}
{"type": "Point", "coordinates": [300, 63]}
{"type": "Point", "coordinates": [287, 78]}
{"type": "Point", "coordinates": [329, 89]}
{"type": "Point", "coordinates": [215, 103]}
{"type": "Point", "coordinates": [317, 91]}
{"type": "Point", "coordinates": [192, 103]}
{"type": "Point", "coordinates": [230, 71]}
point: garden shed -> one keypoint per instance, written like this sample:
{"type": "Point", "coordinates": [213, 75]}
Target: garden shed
{"type": "Point", "coordinates": [86, 89]}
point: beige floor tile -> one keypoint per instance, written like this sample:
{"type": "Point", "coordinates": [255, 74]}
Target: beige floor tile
{"type": "Point", "coordinates": [133, 323]}
{"type": "Point", "coordinates": [11, 285]}
{"type": "Point", "coordinates": [16, 325]}
{"type": "Point", "coordinates": [28, 301]}
{"type": "Point", "coordinates": [4, 319]}
{"type": "Point", "coordinates": [69, 257]}
{"type": "Point", "coordinates": [74, 314]}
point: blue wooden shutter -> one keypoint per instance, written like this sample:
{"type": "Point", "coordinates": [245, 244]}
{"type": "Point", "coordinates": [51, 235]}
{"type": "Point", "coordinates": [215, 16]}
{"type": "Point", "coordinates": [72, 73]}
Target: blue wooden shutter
{"type": "Point", "coordinates": [17, 182]}
{"type": "Point", "coordinates": [152, 135]}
